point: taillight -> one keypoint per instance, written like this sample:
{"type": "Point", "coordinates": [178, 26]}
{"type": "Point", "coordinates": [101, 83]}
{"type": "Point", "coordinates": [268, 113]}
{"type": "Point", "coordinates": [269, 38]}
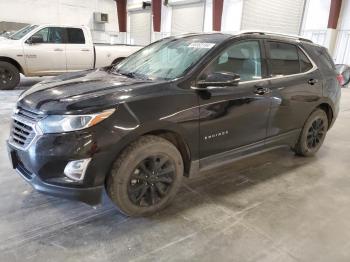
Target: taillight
{"type": "Point", "coordinates": [340, 79]}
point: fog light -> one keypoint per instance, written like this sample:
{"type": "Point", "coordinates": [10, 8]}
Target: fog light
{"type": "Point", "coordinates": [76, 169]}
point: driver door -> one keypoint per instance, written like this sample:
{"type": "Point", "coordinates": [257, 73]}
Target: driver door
{"type": "Point", "coordinates": [49, 56]}
{"type": "Point", "coordinates": [234, 116]}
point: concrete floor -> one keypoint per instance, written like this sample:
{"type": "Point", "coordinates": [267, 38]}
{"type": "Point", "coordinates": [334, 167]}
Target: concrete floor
{"type": "Point", "coordinates": [272, 207]}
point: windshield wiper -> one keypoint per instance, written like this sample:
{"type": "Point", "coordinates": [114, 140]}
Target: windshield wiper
{"type": "Point", "coordinates": [133, 75]}
{"type": "Point", "coordinates": [128, 74]}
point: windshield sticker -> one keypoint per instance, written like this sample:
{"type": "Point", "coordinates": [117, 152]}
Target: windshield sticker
{"type": "Point", "coordinates": [201, 45]}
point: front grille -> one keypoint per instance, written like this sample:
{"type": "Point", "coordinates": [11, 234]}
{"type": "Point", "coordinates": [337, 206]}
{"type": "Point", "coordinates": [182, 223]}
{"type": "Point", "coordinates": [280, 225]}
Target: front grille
{"type": "Point", "coordinates": [23, 130]}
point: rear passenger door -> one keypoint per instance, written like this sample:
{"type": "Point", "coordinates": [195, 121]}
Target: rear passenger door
{"type": "Point", "coordinates": [79, 50]}
{"type": "Point", "coordinates": [296, 87]}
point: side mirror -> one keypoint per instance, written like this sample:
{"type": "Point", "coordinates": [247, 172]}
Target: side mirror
{"type": "Point", "coordinates": [35, 39]}
{"type": "Point", "coordinates": [221, 79]}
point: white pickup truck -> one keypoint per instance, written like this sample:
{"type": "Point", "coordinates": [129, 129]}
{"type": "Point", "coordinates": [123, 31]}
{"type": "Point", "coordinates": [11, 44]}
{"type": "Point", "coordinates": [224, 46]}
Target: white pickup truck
{"type": "Point", "coordinates": [47, 50]}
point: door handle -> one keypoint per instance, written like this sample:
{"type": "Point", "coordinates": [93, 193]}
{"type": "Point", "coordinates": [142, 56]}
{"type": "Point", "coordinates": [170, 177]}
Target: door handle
{"type": "Point", "coordinates": [58, 50]}
{"type": "Point", "coordinates": [261, 90]}
{"type": "Point", "coordinates": [85, 50]}
{"type": "Point", "coordinates": [312, 81]}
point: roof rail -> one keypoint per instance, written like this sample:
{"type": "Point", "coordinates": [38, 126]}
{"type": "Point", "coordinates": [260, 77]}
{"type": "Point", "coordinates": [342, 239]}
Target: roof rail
{"type": "Point", "coordinates": [296, 37]}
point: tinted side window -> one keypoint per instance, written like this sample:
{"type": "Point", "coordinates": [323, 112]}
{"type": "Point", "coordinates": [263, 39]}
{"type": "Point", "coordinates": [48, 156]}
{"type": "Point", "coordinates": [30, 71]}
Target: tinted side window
{"type": "Point", "coordinates": [75, 36]}
{"type": "Point", "coordinates": [284, 59]}
{"type": "Point", "coordinates": [305, 64]}
{"type": "Point", "coordinates": [52, 35]}
{"type": "Point", "coordinates": [240, 58]}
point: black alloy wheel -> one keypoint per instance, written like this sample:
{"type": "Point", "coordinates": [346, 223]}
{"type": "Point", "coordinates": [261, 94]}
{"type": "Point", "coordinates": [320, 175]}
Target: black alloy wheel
{"type": "Point", "coordinates": [313, 133]}
{"type": "Point", "coordinates": [151, 181]}
{"type": "Point", "coordinates": [316, 133]}
{"type": "Point", "coordinates": [146, 176]}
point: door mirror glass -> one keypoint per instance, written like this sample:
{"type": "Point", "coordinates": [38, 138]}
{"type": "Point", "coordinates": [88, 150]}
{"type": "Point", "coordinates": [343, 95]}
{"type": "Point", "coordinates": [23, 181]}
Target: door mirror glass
{"type": "Point", "coordinates": [220, 79]}
{"type": "Point", "coordinates": [36, 39]}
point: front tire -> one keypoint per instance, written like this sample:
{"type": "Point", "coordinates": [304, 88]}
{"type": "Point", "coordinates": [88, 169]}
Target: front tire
{"type": "Point", "coordinates": [9, 76]}
{"type": "Point", "coordinates": [313, 134]}
{"type": "Point", "coordinates": [146, 176]}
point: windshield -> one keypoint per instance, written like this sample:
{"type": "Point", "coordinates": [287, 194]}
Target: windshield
{"type": "Point", "coordinates": [167, 59]}
{"type": "Point", "coordinates": [22, 32]}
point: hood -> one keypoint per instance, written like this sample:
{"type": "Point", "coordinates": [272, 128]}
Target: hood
{"type": "Point", "coordinates": [82, 92]}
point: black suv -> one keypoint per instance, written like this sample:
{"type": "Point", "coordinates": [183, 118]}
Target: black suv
{"type": "Point", "coordinates": [175, 108]}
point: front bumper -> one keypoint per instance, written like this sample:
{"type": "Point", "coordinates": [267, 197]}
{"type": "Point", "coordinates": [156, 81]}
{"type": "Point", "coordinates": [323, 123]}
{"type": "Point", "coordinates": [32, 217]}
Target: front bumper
{"type": "Point", "coordinates": [88, 195]}
{"type": "Point", "coordinates": [42, 164]}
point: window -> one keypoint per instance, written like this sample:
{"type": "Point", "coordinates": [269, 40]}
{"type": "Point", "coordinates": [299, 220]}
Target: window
{"type": "Point", "coordinates": [284, 59]}
{"type": "Point", "coordinates": [241, 58]}
{"type": "Point", "coordinates": [51, 35]}
{"type": "Point", "coordinates": [75, 36]}
{"type": "Point", "coordinates": [305, 64]}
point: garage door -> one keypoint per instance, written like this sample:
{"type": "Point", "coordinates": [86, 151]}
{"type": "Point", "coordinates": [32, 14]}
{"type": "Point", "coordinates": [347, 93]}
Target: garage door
{"type": "Point", "coordinates": [187, 18]}
{"type": "Point", "coordinates": [273, 15]}
{"type": "Point", "coordinates": [140, 28]}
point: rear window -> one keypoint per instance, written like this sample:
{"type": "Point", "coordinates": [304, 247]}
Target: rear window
{"type": "Point", "coordinates": [75, 36]}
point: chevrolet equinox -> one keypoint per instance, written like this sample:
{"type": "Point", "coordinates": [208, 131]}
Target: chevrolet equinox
{"type": "Point", "coordinates": [175, 108]}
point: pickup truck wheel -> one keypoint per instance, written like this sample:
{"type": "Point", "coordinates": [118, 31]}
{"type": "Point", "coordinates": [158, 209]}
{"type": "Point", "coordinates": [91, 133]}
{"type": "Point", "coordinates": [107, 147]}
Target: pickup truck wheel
{"type": "Point", "coordinates": [146, 176]}
{"type": "Point", "coordinates": [313, 134]}
{"type": "Point", "coordinates": [9, 76]}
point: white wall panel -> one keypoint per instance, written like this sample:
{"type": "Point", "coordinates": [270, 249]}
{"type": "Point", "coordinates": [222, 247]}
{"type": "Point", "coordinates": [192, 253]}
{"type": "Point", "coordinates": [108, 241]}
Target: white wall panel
{"type": "Point", "coordinates": [187, 18]}
{"type": "Point", "coordinates": [231, 16]}
{"type": "Point", "coordinates": [140, 27]}
{"type": "Point", "coordinates": [273, 15]}
{"type": "Point", "coordinates": [74, 12]}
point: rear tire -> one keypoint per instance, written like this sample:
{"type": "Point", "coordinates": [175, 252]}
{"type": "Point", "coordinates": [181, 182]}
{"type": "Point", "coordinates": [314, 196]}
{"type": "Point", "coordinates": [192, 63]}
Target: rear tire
{"type": "Point", "coordinates": [146, 176]}
{"type": "Point", "coordinates": [313, 134]}
{"type": "Point", "coordinates": [9, 76]}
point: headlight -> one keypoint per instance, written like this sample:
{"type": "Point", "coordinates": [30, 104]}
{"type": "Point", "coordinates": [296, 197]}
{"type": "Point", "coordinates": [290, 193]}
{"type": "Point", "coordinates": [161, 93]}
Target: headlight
{"type": "Point", "coordinates": [66, 123]}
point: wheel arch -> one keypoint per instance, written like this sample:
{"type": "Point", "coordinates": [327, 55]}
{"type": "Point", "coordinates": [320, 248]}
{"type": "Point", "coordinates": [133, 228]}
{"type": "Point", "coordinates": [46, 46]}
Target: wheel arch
{"type": "Point", "coordinates": [178, 141]}
{"type": "Point", "coordinates": [329, 112]}
{"type": "Point", "coordinates": [13, 62]}
{"type": "Point", "coordinates": [172, 135]}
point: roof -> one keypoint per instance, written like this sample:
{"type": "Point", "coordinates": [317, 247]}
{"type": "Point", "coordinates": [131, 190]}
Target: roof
{"type": "Point", "coordinates": [222, 36]}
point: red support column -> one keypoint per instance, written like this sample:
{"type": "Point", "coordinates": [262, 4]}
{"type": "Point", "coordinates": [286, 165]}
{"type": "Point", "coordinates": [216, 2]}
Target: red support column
{"type": "Point", "coordinates": [334, 13]}
{"type": "Point", "coordinates": [157, 14]}
{"type": "Point", "coordinates": [217, 14]}
{"type": "Point", "coordinates": [122, 15]}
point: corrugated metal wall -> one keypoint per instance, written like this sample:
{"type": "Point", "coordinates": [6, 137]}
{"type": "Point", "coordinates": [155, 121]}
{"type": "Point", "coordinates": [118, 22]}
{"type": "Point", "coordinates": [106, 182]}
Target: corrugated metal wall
{"type": "Point", "coordinates": [273, 15]}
